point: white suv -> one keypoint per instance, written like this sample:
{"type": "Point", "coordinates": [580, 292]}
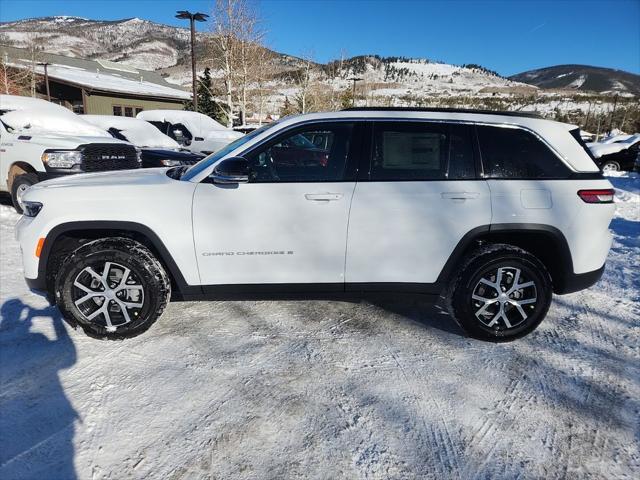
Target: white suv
{"type": "Point", "coordinates": [495, 211]}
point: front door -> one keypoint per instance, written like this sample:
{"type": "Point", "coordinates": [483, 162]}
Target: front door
{"type": "Point", "coordinates": [288, 225]}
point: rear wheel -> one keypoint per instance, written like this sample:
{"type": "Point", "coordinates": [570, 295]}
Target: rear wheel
{"type": "Point", "coordinates": [112, 288]}
{"type": "Point", "coordinates": [502, 293]}
{"type": "Point", "coordinates": [611, 166]}
{"type": "Point", "coordinates": [19, 186]}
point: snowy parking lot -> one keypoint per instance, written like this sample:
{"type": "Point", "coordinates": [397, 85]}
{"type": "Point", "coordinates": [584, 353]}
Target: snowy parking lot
{"type": "Point", "coordinates": [319, 389]}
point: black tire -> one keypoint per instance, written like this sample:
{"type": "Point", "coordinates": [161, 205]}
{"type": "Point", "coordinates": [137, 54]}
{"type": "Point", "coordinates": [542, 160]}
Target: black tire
{"type": "Point", "coordinates": [122, 254]}
{"type": "Point", "coordinates": [484, 265]}
{"type": "Point", "coordinates": [611, 166]}
{"type": "Point", "coordinates": [21, 181]}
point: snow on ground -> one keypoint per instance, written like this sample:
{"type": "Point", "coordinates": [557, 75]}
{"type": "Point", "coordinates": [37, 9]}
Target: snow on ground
{"type": "Point", "coordinates": [318, 389]}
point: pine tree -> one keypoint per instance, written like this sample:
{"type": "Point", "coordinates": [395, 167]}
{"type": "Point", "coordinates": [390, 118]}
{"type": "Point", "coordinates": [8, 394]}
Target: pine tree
{"type": "Point", "coordinates": [206, 103]}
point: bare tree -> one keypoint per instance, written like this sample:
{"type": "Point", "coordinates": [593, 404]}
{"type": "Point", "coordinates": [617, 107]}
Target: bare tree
{"type": "Point", "coordinates": [263, 70]}
{"type": "Point", "coordinates": [304, 82]}
{"type": "Point", "coordinates": [34, 47]}
{"type": "Point", "coordinates": [18, 76]}
{"type": "Point", "coordinates": [237, 40]}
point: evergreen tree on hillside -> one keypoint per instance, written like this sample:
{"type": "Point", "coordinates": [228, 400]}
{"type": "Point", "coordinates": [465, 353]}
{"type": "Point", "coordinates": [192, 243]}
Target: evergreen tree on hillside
{"type": "Point", "coordinates": [206, 102]}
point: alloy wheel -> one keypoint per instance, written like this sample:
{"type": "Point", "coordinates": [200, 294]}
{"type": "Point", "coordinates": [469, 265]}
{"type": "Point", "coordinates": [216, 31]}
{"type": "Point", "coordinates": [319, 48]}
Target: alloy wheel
{"type": "Point", "coordinates": [110, 295]}
{"type": "Point", "coordinates": [504, 298]}
{"type": "Point", "coordinates": [20, 191]}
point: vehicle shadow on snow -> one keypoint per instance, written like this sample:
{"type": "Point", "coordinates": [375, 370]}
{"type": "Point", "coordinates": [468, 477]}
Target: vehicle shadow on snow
{"type": "Point", "coordinates": [423, 310]}
{"type": "Point", "coordinates": [627, 231]}
{"type": "Point", "coordinates": [37, 420]}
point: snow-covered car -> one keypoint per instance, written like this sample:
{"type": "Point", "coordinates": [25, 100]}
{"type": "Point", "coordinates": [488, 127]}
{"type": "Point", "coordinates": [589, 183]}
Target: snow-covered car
{"type": "Point", "coordinates": [156, 148]}
{"type": "Point", "coordinates": [40, 140]}
{"type": "Point", "coordinates": [494, 211]}
{"type": "Point", "coordinates": [616, 155]}
{"type": "Point", "coordinates": [193, 130]}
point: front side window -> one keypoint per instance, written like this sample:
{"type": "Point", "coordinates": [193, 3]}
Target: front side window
{"type": "Point", "coordinates": [421, 151]}
{"type": "Point", "coordinates": [516, 153]}
{"type": "Point", "coordinates": [311, 154]}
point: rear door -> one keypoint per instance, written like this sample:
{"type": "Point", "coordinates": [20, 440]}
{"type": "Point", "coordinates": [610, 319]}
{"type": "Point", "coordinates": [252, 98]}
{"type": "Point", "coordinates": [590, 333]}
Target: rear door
{"type": "Point", "coordinates": [288, 225]}
{"type": "Point", "coordinates": [420, 196]}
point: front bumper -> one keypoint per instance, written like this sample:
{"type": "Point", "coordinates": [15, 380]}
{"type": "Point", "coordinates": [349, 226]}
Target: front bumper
{"type": "Point", "coordinates": [42, 176]}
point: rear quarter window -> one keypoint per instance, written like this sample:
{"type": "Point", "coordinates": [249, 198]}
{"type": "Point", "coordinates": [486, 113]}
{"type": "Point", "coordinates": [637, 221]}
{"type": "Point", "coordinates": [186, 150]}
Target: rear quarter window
{"type": "Point", "coordinates": [513, 153]}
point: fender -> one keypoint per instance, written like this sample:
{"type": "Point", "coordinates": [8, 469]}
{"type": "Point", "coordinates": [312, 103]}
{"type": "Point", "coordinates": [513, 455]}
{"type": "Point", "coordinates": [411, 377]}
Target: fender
{"type": "Point", "coordinates": [564, 274]}
{"type": "Point", "coordinates": [138, 228]}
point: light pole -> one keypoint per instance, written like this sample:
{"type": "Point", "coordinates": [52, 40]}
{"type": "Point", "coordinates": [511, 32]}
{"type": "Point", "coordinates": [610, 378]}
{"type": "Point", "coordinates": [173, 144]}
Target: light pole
{"type": "Point", "coordinates": [353, 91]}
{"type": "Point", "coordinates": [46, 78]}
{"type": "Point", "coordinates": [193, 17]}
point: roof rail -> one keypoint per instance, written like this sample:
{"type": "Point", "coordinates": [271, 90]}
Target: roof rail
{"type": "Point", "coordinates": [443, 110]}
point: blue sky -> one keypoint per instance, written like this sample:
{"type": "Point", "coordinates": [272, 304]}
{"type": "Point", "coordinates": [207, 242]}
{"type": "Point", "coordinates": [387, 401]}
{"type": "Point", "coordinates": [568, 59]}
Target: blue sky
{"type": "Point", "coordinates": [506, 36]}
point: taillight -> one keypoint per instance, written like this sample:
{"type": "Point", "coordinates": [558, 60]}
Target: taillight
{"type": "Point", "coordinates": [604, 195]}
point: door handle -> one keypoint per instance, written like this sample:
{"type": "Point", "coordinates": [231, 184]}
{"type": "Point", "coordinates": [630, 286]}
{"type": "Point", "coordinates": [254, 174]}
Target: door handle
{"type": "Point", "coordinates": [460, 195]}
{"type": "Point", "coordinates": [323, 197]}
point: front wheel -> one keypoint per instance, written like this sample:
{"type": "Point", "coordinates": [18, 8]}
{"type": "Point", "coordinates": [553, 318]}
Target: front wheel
{"type": "Point", "coordinates": [113, 288]}
{"type": "Point", "coordinates": [502, 293]}
{"type": "Point", "coordinates": [19, 186]}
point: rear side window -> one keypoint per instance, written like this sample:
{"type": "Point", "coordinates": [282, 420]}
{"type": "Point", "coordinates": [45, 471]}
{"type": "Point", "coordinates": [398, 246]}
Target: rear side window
{"type": "Point", "coordinates": [516, 153]}
{"type": "Point", "coordinates": [421, 151]}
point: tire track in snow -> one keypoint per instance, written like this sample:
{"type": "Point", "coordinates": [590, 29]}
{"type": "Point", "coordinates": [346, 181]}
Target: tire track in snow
{"type": "Point", "coordinates": [449, 465]}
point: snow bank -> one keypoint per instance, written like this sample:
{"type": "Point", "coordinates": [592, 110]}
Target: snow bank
{"type": "Point", "coordinates": [136, 131]}
{"type": "Point", "coordinates": [43, 121]}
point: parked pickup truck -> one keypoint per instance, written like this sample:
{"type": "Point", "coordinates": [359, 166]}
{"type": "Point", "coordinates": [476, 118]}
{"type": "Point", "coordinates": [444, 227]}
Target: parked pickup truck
{"type": "Point", "coordinates": [40, 140]}
{"type": "Point", "coordinates": [156, 148]}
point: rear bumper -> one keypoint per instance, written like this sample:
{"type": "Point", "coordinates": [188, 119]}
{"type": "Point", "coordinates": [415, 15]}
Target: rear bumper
{"type": "Point", "coordinates": [578, 281]}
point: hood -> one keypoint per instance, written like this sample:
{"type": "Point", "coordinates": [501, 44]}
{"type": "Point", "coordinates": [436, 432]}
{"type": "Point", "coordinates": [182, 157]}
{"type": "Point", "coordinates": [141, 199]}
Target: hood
{"type": "Point", "coordinates": [56, 140]}
{"type": "Point", "coordinates": [143, 176]}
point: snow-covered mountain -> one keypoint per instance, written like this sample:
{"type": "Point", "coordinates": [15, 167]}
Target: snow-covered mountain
{"type": "Point", "coordinates": [153, 46]}
{"type": "Point", "coordinates": [136, 42]}
{"type": "Point", "coordinates": [582, 77]}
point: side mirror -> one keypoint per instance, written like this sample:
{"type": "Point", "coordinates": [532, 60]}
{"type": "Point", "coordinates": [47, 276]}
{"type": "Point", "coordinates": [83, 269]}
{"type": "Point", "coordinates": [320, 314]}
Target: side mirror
{"type": "Point", "coordinates": [179, 135]}
{"type": "Point", "coordinates": [230, 171]}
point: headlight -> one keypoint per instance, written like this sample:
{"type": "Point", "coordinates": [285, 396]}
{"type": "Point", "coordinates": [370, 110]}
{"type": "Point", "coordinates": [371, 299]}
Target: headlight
{"type": "Point", "coordinates": [31, 209]}
{"type": "Point", "coordinates": [167, 162]}
{"type": "Point", "coordinates": [62, 158]}
{"type": "Point", "coordinates": [139, 154]}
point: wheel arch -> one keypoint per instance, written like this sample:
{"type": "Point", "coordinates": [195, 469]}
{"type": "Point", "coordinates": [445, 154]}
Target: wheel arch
{"type": "Point", "coordinates": [18, 168]}
{"type": "Point", "coordinates": [545, 242]}
{"type": "Point", "coordinates": [66, 237]}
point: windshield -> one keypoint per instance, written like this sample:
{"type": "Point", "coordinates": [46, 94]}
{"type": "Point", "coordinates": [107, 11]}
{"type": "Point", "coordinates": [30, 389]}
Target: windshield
{"type": "Point", "coordinates": [214, 157]}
